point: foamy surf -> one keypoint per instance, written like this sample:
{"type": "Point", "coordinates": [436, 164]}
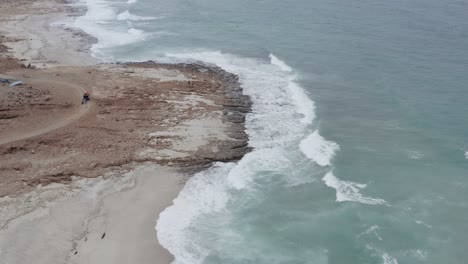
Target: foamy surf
{"type": "Point", "coordinates": [204, 193]}
{"type": "Point", "coordinates": [347, 191]}
{"type": "Point", "coordinates": [318, 149]}
{"type": "Point", "coordinates": [304, 105]}
{"type": "Point", "coordinates": [304, 211]}
{"type": "Point", "coordinates": [281, 64]}
{"type": "Point", "coordinates": [209, 192]}
{"type": "Point", "coordinates": [129, 16]}
{"type": "Point", "coordinates": [387, 259]}
{"type": "Point", "coordinates": [99, 22]}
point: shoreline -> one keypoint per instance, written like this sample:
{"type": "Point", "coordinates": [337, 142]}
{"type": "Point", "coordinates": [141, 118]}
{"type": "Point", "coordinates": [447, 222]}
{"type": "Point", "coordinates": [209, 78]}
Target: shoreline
{"type": "Point", "coordinates": [45, 37]}
{"type": "Point", "coordinates": [142, 142]}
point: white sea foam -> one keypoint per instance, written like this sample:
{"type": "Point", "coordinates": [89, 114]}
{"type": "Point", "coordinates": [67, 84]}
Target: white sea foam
{"type": "Point", "coordinates": [318, 149]}
{"type": "Point", "coordinates": [304, 105]}
{"type": "Point", "coordinates": [281, 64]}
{"type": "Point", "coordinates": [373, 230]}
{"type": "Point", "coordinates": [466, 154]}
{"type": "Point", "coordinates": [129, 16]}
{"type": "Point", "coordinates": [413, 154]}
{"type": "Point", "coordinates": [100, 22]}
{"type": "Point", "coordinates": [422, 223]}
{"type": "Point", "coordinates": [347, 191]}
{"type": "Point", "coordinates": [135, 32]}
{"type": "Point", "coordinates": [275, 122]}
{"type": "Point", "coordinates": [204, 193]}
{"type": "Point", "coordinates": [418, 254]}
{"type": "Point", "coordinates": [387, 259]}
{"type": "Point", "coordinates": [132, 1]}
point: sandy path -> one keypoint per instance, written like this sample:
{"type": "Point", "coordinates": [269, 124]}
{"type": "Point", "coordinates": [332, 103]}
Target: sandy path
{"type": "Point", "coordinates": [59, 123]}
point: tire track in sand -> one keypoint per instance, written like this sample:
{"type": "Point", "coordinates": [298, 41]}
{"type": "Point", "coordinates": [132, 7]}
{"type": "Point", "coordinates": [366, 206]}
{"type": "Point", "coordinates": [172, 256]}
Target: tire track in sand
{"type": "Point", "coordinates": [61, 123]}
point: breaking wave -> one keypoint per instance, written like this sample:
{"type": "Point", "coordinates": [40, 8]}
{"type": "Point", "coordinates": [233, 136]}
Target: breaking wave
{"type": "Point", "coordinates": [128, 16]}
{"type": "Point", "coordinates": [96, 23]}
{"type": "Point", "coordinates": [349, 191]}
{"type": "Point", "coordinates": [276, 97]}
{"type": "Point", "coordinates": [318, 149]}
{"type": "Point", "coordinates": [387, 259]}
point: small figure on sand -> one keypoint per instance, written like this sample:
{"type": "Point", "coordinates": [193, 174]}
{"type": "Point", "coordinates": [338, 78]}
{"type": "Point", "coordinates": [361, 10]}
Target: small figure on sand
{"type": "Point", "coordinates": [86, 98]}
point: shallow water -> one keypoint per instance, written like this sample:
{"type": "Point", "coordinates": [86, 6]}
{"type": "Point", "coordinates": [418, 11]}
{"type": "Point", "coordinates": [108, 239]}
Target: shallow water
{"type": "Point", "coordinates": [359, 126]}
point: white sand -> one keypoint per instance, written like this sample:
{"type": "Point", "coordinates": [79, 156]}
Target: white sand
{"type": "Point", "coordinates": [128, 219]}
{"type": "Point", "coordinates": [52, 223]}
{"type": "Point", "coordinates": [45, 37]}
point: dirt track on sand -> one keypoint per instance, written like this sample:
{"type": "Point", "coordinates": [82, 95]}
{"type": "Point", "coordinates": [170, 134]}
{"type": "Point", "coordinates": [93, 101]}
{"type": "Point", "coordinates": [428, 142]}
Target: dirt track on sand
{"type": "Point", "coordinates": [11, 133]}
{"type": "Point", "coordinates": [182, 115]}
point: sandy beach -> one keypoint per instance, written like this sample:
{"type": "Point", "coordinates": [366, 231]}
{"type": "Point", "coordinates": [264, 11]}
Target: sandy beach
{"type": "Point", "coordinates": [102, 220]}
{"type": "Point", "coordinates": [86, 183]}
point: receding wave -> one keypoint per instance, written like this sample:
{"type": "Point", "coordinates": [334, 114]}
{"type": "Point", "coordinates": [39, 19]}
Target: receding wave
{"type": "Point", "coordinates": [347, 191]}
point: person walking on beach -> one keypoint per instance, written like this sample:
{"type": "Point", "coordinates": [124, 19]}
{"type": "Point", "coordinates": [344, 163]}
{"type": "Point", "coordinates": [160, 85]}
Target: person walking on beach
{"type": "Point", "coordinates": [86, 98]}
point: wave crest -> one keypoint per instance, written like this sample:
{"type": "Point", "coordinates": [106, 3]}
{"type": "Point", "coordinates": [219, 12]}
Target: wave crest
{"type": "Point", "coordinates": [129, 16]}
{"type": "Point", "coordinates": [318, 149]}
{"type": "Point", "coordinates": [347, 191]}
{"type": "Point", "coordinates": [273, 125]}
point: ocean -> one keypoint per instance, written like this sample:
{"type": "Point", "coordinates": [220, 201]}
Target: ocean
{"type": "Point", "coordinates": [359, 126]}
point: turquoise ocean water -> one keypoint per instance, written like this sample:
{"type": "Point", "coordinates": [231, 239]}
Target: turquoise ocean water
{"type": "Point", "coordinates": [359, 126]}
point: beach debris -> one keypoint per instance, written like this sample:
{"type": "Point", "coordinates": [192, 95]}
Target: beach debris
{"type": "Point", "coordinates": [76, 252]}
{"type": "Point", "coordinates": [103, 235]}
{"type": "Point", "coordinates": [2, 80]}
{"type": "Point", "coordinates": [16, 84]}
